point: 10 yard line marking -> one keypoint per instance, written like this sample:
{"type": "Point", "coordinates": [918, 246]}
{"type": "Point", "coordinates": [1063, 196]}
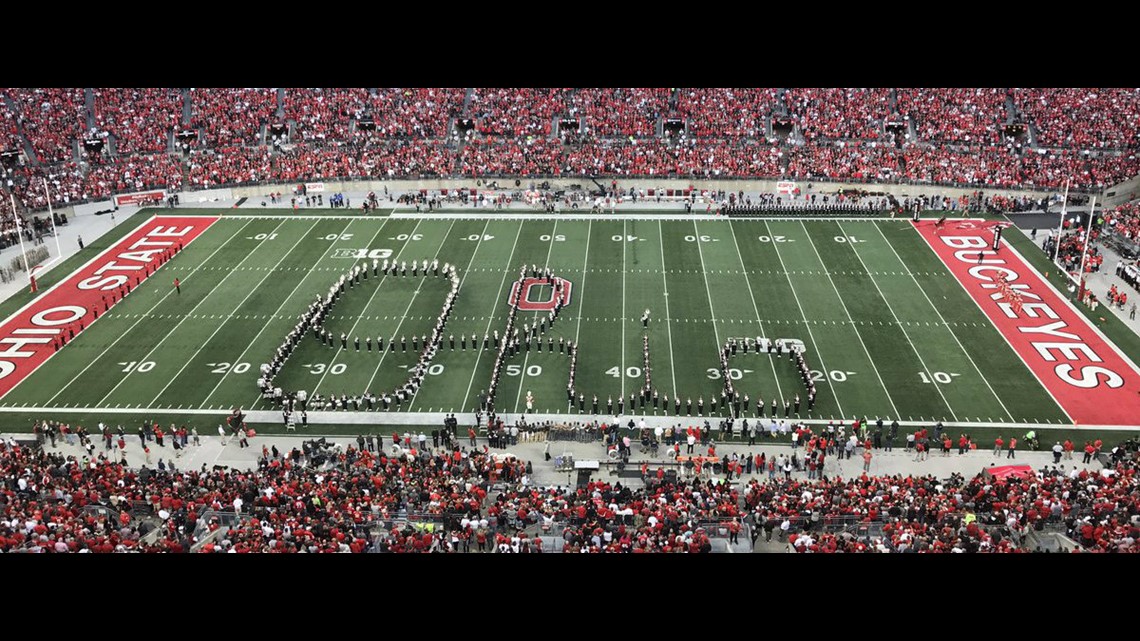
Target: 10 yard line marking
{"type": "Point", "coordinates": [404, 316]}
{"type": "Point", "coordinates": [491, 317]}
{"type": "Point", "coordinates": [223, 323]}
{"type": "Point", "coordinates": [896, 317]}
{"type": "Point", "coordinates": [755, 307]}
{"type": "Point", "coordinates": [526, 358]}
{"type": "Point", "coordinates": [668, 322]}
{"type": "Point", "coordinates": [153, 307]}
{"type": "Point", "coordinates": [462, 280]}
{"type": "Point", "coordinates": [943, 320]}
{"type": "Point", "coordinates": [172, 330]}
{"type": "Point", "coordinates": [849, 317]}
{"type": "Point", "coordinates": [581, 290]}
{"type": "Point", "coordinates": [278, 311]}
{"type": "Point", "coordinates": [814, 344]}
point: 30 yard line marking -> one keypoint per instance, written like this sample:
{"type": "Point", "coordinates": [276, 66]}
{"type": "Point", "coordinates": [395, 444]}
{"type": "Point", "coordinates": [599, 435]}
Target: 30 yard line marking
{"type": "Point", "coordinates": [818, 353]}
{"type": "Point", "coordinates": [174, 329]}
{"type": "Point", "coordinates": [581, 290]}
{"type": "Point", "coordinates": [668, 322]}
{"type": "Point", "coordinates": [284, 301]}
{"type": "Point", "coordinates": [891, 309]}
{"type": "Point", "coordinates": [755, 307]}
{"type": "Point", "coordinates": [944, 323]}
{"type": "Point", "coordinates": [526, 358]}
{"type": "Point", "coordinates": [411, 302]}
{"type": "Point", "coordinates": [153, 307]}
{"type": "Point", "coordinates": [223, 323]}
{"type": "Point", "coordinates": [491, 318]}
{"type": "Point", "coordinates": [849, 317]}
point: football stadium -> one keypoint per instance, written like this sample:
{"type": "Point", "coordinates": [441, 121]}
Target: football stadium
{"type": "Point", "coordinates": [530, 320]}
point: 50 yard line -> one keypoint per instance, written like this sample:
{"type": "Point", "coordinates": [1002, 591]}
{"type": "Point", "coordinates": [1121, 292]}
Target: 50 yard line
{"type": "Point", "coordinates": [581, 290]}
{"type": "Point", "coordinates": [526, 358]}
{"type": "Point", "coordinates": [142, 316]}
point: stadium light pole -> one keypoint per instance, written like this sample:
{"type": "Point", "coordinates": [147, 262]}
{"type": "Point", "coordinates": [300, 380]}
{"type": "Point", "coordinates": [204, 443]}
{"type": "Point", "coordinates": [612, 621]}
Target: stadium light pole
{"type": "Point", "coordinates": [51, 215]}
{"type": "Point", "coordinates": [1085, 251]}
{"type": "Point", "coordinates": [1061, 225]}
{"type": "Point", "coordinates": [20, 235]}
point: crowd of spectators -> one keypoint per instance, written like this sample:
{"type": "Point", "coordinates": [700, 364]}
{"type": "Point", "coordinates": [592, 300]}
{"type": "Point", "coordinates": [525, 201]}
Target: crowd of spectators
{"type": "Point", "coordinates": [973, 116]}
{"type": "Point", "coordinates": [133, 173]}
{"type": "Point", "coordinates": [231, 116]}
{"type": "Point", "coordinates": [51, 118]}
{"type": "Point", "coordinates": [208, 168]}
{"type": "Point", "coordinates": [141, 120]}
{"type": "Point", "coordinates": [532, 157]}
{"type": "Point", "coordinates": [726, 113]}
{"type": "Point", "coordinates": [853, 114]}
{"type": "Point", "coordinates": [1124, 220]}
{"type": "Point", "coordinates": [516, 112]}
{"type": "Point", "coordinates": [619, 113]}
{"type": "Point", "coordinates": [1082, 118]}
{"type": "Point", "coordinates": [325, 113]}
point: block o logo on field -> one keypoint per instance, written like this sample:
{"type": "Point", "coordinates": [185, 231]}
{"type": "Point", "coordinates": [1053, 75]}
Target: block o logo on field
{"type": "Point", "coordinates": [559, 291]}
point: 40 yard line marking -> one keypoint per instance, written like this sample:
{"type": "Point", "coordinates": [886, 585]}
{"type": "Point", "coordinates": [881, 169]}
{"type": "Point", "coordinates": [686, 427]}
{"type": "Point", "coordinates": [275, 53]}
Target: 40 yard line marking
{"type": "Point", "coordinates": [491, 316]}
{"type": "Point", "coordinates": [223, 323]}
{"type": "Point", "coordinates": [141, 317]}
{"type": "Point", "coordinates": [174, 329]}
{"type": "Point", "coordinates": [946, 325]}
{"type": "Point", "coordinates": [896, 317]}
{"type": "Point", "coordinates": [275, 313]}
{"type": "Point", "coordinates": [849, 318]}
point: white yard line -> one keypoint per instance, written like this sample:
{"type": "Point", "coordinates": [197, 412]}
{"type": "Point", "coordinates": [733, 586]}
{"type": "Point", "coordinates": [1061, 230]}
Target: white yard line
{"type": "Point", "coordinates": [708, 291]}
{"type": "Point", "coordinates": [491, 317]}
{"type": "Point", "coordinates": [913, 348]}
{"type": "Point", "coordinates": [668, 322]}
{"type": "Point", "coordinates": [462, 280]}
{"type": "Point", "coordinates": [755, 307]}
{"type": "Point", "coordinates": [403, 317]}
{"type": "Point", "coordinates": [850, 318]}
{"type": "Point", "coordinates": [223, 323]}
{"type": "Point", "coordinates": [818, 354]}
{"type": "Point", "coordinates": [284, 302]}
{"type": "Point", "coordinates": [142, 316]}
{"type": "Point", "coordinates": [526, 357]}
{"type": "Point", "coordinates": [624, 242]}
{"type": "Point", "coordinates": [581, 290]}
{"type": "Point", "coordinates": [174, 329]}
{"type": "Point", "coordinates": [944, 323]}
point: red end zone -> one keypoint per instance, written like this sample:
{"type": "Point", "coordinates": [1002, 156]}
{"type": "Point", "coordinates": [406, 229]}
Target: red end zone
{"type": "Point", "coordinates": [1087, 376]}
{"type": "Point", "coordinates": [27, 338]}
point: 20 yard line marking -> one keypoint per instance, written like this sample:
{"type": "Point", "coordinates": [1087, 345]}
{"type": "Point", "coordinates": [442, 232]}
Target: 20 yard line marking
{"type": "Point", "coordinates": [174, 329]}
{"type": "Point", "coordinates": [849, 317]}
{"type": "Point", "coordinates": [223, 323]}
{"type": "Point", "coordinates": [153, 307]}
{"type": "Point", "coordinates": [943, 321]}
{"type": "Point", "coordinates": [277, 316]}
{"type": "Point", "coordinates": [818, 353]}
{"type": "Point", "coordinates": [896, 317]}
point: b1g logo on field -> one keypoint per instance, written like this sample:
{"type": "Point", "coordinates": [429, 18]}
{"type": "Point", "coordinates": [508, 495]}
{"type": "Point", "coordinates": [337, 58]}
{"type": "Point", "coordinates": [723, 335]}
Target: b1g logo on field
{"type": "Point", "coordinates": [560, 290]}
{"type": "Point", "coordinates": [362, 254]}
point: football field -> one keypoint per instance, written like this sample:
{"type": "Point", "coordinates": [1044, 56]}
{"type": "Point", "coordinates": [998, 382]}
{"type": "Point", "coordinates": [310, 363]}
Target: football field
{"type": "Point", "coordinates": [887, 330]}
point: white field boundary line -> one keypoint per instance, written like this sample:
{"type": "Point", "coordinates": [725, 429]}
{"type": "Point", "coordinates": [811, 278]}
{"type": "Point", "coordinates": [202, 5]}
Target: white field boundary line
{"type": "Point", "coordinates": [807, 325]}
{"type": "Point", "coordinates": [96, 259]}
{"type": "Point", "coordinates": [668, 321]}
{"type": "Point", "coordinates": [491, 316]}
{"type": "Point", "coordinates": [850, 318]}
{"type": "Point", "coordinates": [367, 304]}
{"type": "Point", "coordinates": [223, 323]}
{"type": "Point", "coordinates": [755, 307]}
{"type": "Point", "coordinates": [381, 417]}
{"type": "Point", "coordinates": [284, 301]}
{"type": "Point", "coordinates": [174, 329]}
{"type": "Point", "coordinates": [526, 357]}
{"type": "Point", "coordinates": [466, 270]}
{"type": "Point", "coordinates": [581, 292]}
{"type": "Point", "coordinates": [944, 323]}
{"type": "Point", "coordinates": [891, 309]}
{"type": "Point", "coordinates": [142, 316]}
{"type": "Point", "coordinates": [997, 329]}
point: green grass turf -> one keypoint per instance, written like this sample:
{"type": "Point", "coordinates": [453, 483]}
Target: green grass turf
{"type": "Point", "coordinates": [878, 314]}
